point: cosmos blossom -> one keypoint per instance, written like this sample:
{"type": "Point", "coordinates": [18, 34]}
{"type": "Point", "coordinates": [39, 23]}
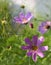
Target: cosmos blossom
{"type": "Point", "coordinates": [22, 18]}
{"type": "Point", "coordinates": [34, 47]}
{"type": "Point", "coordinates": [44, 26]}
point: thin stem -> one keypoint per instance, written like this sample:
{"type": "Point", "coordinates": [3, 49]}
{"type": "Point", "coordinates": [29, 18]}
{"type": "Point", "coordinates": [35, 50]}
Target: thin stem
{"type": "Point", "coordinates": [29, 60]}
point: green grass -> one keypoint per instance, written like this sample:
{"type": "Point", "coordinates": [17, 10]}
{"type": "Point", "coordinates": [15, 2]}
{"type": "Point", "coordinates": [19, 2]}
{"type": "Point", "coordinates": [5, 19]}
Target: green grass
{"type": "Point", "coordinates": [10, 43]}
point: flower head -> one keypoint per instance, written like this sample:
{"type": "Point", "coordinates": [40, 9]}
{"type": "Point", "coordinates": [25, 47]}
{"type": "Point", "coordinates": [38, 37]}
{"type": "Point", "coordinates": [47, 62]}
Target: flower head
{"type": "Point", "coordinates": [34, 47]}
{"type": "Point", "coordinates": [31, 25]}
{"type": "Point", "coordinates": [23, 19]}
{"type": "Point", "coordinates": [44, 26]}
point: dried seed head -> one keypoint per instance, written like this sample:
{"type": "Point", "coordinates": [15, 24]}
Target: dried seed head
{"type": "Point", "coordinates": [22, 6]}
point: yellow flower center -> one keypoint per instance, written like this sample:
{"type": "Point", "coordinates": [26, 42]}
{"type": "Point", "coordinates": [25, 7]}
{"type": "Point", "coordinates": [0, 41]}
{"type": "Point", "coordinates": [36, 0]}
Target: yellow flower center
{"type": "Point", "coordinates": [34, 48]}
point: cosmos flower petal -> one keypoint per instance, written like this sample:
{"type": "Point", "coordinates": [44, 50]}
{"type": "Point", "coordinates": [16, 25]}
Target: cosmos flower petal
{"type": "Point", "coordinates": [44, 48]}
{"type": "Point", "coordinates": [49, 23]}
{"type": "Point", "coordinates": [43, 23]}
{"type": "Point", "coordinates": [25, 47]}
{"type": "Point", "coordinates": [34, 57]}
{"type": "Point", "coordinates": [28, 16]}
{"type": "Point", "coordinates": [40, 40]}
{"type": "Point", "coordinates": [40, 53]}
{"type": "Point", "coordinates": [42, 30]}
{"type": "Point", "coordinates": [29, 53]}
{"type": "Point", "coordinates": [35, 39]}
{"type": "Point", "coordinates": [28, 41]}
{"type": "Point", "coordinates": [21, 15]}
{"type": "Point", "coordinates": [17, 19]}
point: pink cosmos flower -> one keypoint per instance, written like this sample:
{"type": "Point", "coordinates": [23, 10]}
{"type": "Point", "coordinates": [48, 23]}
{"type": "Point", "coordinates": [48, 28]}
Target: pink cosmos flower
{"type": "Point", "coordinates": [44, 27]}
{"type": "Point", "coordinates": [34, 47]}
{"type": "Point", "coordinates": [22, 18]}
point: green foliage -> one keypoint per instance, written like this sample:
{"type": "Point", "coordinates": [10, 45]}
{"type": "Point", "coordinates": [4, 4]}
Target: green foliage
{"type": "Point", "coordinates": [10, 43]}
